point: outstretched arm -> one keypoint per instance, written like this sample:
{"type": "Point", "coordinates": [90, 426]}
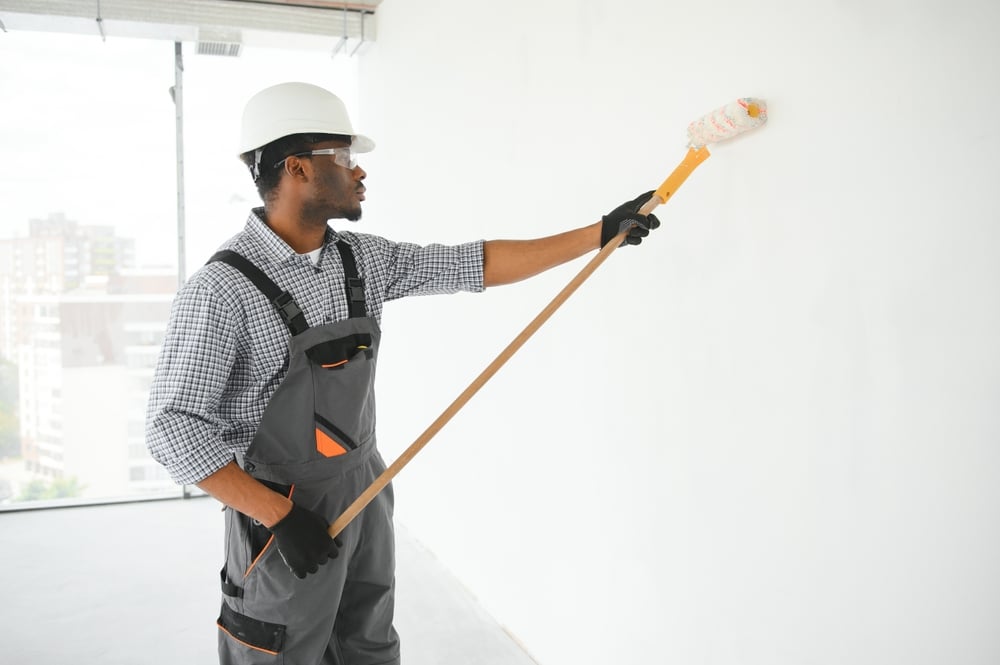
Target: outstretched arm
{"type": "Point", "coordinates": [508, 261]}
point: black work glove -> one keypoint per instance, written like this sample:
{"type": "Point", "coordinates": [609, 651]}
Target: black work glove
{"type": "Point", "coordinates": [303, 541]}
{"type": "Point", "coordinates": [626, 216]}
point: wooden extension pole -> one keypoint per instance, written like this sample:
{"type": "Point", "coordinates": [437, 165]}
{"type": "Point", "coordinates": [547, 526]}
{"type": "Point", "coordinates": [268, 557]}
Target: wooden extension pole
{"type": "Point", "coordinates": [665, 191]}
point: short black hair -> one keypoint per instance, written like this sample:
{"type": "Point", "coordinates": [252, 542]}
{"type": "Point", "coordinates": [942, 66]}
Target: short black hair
{"type": "Point", "coordinates": [277, 150]}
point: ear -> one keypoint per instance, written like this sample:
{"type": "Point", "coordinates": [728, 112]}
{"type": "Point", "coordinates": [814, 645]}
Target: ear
{"type": "Point", "coordinates": [298, 169]}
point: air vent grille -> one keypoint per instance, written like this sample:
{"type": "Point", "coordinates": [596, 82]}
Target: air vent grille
{"type": "Point", "coordinates": [228, 49]}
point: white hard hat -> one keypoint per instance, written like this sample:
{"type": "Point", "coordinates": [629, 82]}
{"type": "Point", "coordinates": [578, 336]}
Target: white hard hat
{"type": "Point", "coordinates": [296, 108]}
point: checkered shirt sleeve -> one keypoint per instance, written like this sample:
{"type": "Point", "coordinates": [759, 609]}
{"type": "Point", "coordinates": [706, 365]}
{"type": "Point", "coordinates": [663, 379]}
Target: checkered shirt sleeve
{"type": "Point", "coordinates": [224, 352]}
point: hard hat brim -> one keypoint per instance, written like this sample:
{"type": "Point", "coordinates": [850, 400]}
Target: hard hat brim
{"type": "Point", "coordinates": [361, 143]}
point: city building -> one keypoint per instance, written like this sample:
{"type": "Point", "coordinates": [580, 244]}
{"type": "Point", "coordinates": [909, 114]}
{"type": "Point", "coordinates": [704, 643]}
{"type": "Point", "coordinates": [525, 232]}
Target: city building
{"type": "Point", "coordinates": [84, 328]}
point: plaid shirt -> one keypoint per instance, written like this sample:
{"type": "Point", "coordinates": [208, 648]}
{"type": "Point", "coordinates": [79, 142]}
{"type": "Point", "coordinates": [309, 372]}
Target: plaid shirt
{"type": "Point", "coordinates": [225, 349]}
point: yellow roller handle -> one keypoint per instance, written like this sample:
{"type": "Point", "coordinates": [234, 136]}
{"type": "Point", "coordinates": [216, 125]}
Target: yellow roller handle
{"type": "Point", "coordinates": [692, 159]}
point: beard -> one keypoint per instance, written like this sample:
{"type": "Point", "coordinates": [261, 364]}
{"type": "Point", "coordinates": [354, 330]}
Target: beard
{"type": "Point", "coordinates": [323, 212]}
{"type": "Point", "coordinates": [338, 203]}
{"type": "Point", "coordinates": [353, 215]}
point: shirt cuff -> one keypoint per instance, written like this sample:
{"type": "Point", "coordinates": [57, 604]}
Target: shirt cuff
{"type": "Point", "coordinates": [472, 263]}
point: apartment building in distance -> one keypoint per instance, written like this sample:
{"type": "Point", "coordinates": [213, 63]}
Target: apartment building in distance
{"type": "Point", "coordinates": [84, 328]}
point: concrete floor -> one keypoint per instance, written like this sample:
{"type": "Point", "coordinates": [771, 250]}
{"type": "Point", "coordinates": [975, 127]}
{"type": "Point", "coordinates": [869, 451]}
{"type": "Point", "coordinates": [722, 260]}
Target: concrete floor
{"type": "Point", "coordinates": [131, 584]}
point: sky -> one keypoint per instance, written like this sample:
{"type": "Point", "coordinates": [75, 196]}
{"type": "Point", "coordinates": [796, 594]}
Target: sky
{"type": "Point", "coordinates": [88, 130]}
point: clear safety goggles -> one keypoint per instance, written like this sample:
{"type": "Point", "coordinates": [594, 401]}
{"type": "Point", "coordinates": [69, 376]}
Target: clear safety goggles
{"type": "Point", "coordinates": [342, 156]}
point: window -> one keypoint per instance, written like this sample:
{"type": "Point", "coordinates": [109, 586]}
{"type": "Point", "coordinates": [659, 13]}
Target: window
{"type": "Point", "coordinates": [89, 255]}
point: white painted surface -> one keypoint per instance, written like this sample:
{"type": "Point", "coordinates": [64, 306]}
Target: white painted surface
{"type": "Point", "coordinates": [770, 435]}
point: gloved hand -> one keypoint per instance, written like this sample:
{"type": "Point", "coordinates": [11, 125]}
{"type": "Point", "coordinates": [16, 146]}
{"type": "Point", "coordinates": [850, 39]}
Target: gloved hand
{"type": "Point", "coordinates": [626, 216]}
{"type": "Point", "coordinates": [303, 541]}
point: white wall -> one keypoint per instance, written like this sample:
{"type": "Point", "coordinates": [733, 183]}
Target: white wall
{"type": "Point", "coordinates": [771, 434]}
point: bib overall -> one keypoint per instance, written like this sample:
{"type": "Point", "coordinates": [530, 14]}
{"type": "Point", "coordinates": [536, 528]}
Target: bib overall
{"type": "Point", "coordinates": [316, 445]}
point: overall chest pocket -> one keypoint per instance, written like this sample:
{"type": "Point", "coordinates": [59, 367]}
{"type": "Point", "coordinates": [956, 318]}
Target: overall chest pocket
{"type": "Point", "coordinates": [343, 371]}
{"type": "Point", "coordinates": [336, 353]}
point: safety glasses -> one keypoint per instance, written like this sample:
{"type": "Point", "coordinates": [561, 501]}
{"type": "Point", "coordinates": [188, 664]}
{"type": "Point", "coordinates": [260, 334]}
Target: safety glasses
{"type": "Point", "coordinates": [342, 156]}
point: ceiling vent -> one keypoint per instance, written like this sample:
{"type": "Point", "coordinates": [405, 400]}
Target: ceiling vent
{"type": "Point", "coordinates": [219, 42]}
{"type": "Point", "coordinates": [219, 48]}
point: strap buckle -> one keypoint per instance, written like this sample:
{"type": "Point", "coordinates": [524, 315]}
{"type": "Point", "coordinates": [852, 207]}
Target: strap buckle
{"type": "Point", "coordinates": [287, 307]}
{"type": "Point", "coordinates": [356, 289]}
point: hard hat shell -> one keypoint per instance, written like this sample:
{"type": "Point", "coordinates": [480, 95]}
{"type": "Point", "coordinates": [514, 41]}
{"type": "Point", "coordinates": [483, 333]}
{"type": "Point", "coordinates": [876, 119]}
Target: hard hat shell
{"type": "Point", "coordinates": [296, 108]}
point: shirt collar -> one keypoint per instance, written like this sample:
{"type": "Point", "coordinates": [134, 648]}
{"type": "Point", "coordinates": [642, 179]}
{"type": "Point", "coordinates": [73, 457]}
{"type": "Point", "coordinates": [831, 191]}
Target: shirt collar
{"type": "Point", "coordinates": [272, 243]}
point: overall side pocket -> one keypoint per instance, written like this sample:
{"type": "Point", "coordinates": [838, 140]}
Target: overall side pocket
{"type": "Point", "coordinates": [261, 636]}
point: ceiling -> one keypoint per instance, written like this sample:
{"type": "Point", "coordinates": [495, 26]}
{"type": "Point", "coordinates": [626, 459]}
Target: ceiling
{"type": "Point", "coordinates": [221, 27]}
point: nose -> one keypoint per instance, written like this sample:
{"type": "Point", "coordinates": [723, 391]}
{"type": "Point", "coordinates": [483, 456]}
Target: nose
{"type": "Point", "coordinates": [359, 173]}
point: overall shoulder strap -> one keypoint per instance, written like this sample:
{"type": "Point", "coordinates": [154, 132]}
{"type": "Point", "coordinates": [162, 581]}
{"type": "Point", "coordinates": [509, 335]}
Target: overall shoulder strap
{"type": "Point", "coordinates": [353, 283]}
{"type": "Point", "coordinates": [282, 300]}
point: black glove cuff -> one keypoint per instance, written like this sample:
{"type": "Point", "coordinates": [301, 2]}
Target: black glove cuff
{"type": "Point", "coordinates": [303, 542]}
{"type": "Point", "coordinates": [626, 217]}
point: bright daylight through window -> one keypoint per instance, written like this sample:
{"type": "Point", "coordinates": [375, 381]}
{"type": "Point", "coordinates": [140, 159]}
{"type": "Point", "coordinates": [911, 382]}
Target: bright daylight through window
{"type": "Point", "coordinates": [89, 249]}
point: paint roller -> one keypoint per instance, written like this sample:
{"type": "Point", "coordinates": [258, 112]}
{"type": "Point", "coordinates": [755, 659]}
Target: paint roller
{"type": "Point", "coordinates": [721, 124]}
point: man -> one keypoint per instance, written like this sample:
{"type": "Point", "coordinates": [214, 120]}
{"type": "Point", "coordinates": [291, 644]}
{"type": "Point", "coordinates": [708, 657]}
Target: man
{"type": "Point", "coordinates": [263, 394]}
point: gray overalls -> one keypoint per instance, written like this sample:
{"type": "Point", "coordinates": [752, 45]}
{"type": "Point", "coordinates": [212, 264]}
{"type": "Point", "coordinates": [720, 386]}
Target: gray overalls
{"type": "Point", "coordinates": [316, 445]}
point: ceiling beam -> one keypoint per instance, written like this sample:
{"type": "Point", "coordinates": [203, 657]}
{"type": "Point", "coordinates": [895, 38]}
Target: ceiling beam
{"type": "Point", "coordinates": [300, 24]}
